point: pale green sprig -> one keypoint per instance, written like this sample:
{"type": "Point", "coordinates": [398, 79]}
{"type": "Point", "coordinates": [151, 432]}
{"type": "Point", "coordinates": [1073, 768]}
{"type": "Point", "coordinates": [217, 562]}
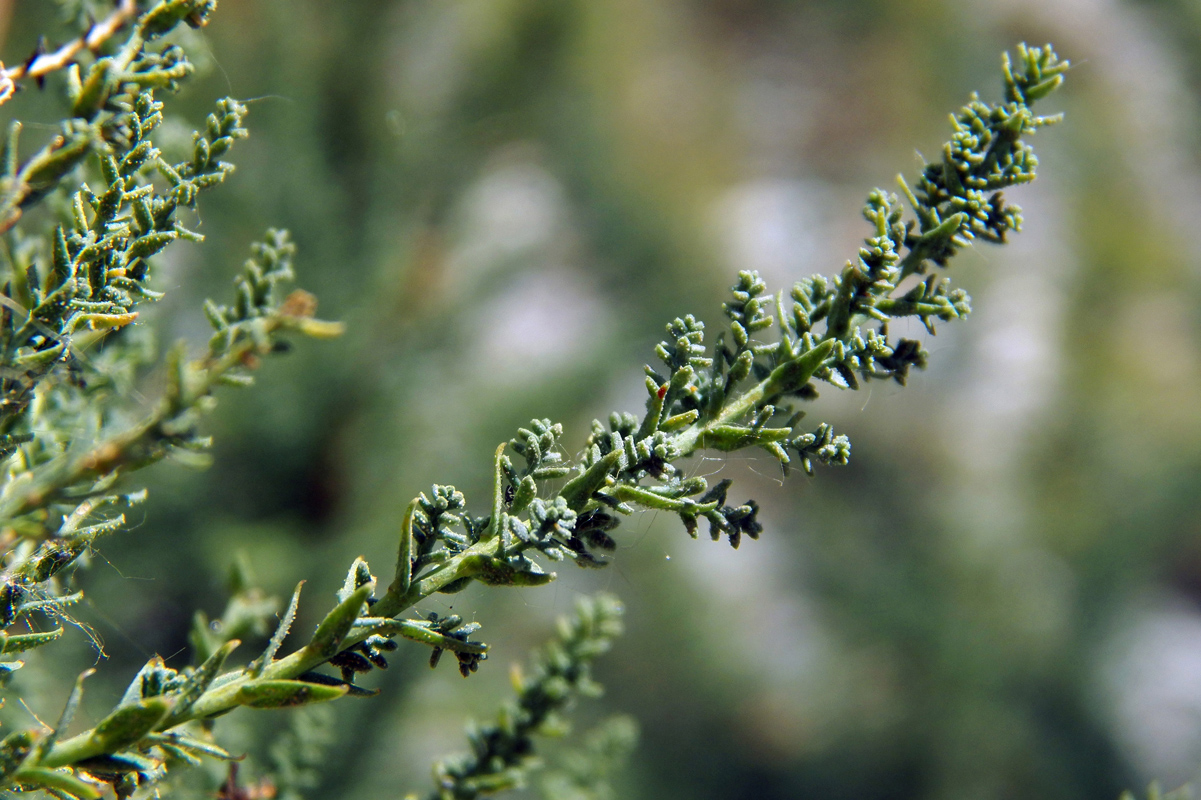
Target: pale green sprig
{"type": "Point", "coordinates": [100, 102]}
{"type": "Point", "coordinates": [586, 772]}
{"type": "Point", "coordinates": [98, 266]}
{"type": "Point", "coordinates": [82, 482]}
{"type": "Point", "coordinates": [501, 752]}
{"type": "Point", "coordinates": [54, 496]}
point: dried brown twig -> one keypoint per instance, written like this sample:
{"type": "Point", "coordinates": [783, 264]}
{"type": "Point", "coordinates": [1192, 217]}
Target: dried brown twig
{"type": "Point", "coordinates": [42, 64]}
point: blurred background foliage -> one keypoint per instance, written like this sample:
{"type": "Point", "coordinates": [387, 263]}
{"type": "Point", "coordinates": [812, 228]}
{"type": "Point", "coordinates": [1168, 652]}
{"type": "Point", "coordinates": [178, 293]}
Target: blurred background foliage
{"type": "Point", "coordinates": [506, 199]}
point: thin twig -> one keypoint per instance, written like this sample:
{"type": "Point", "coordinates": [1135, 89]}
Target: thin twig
{"type": "Point", "coordinates": [44, 64]}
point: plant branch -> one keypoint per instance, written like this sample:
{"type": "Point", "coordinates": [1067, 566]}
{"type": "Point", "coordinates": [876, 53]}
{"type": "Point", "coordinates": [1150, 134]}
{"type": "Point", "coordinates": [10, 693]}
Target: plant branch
{"type": "Point", "coordinates": [43, 64]}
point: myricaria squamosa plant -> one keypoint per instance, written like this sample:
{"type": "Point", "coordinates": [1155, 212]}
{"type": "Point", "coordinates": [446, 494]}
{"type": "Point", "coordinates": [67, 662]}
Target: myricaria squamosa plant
{"type": "Point", "coordinates": [87, 210]}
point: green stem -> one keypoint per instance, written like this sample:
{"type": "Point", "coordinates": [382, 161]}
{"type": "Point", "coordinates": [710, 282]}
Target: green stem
{"type": "Point", "coordinates": [498, 495]}
{"type": "Point", "coordinates": [119, 452]}
{"type": "Point", "coordinates": [787, 377]}
{"type": "Point", "coordinates": [225, 697]}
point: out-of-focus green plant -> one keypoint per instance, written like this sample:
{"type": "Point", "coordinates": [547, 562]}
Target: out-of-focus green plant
{"type": "Point", "coordinates": [500, 752]}
{"type": "Point", "coordinates": [586, 773]}
{"type": "Point", "coordinates": [1154, 792]}
{"type": "Point", "coordinates": [83, 219]}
